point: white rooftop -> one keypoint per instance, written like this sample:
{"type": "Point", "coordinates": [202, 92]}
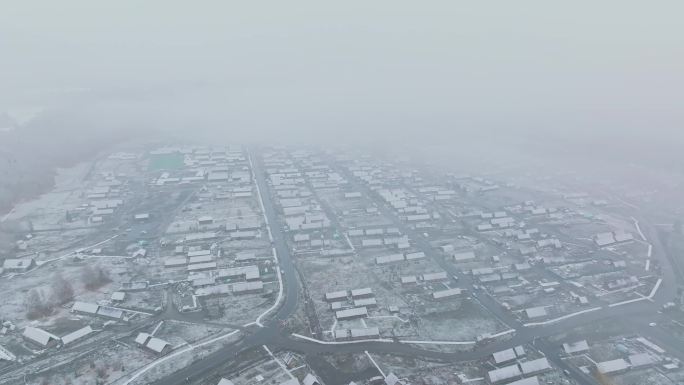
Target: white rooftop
{"type": "Point", "coordinates": [502, 374]}
{"type": "Point", "coordinates": [576, 347]}
{"type": "Point", "coordinates": [504, 356]}
{"type": "Point", "coordinates": [612, 366]}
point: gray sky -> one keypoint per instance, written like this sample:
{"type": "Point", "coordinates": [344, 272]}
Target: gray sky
{"type": "Point", "coordinates": [426, 70]}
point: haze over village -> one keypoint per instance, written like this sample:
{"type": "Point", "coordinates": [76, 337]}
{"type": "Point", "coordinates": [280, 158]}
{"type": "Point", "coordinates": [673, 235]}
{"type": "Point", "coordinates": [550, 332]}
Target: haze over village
{"type": "Point", "coordinates": [385, 193]}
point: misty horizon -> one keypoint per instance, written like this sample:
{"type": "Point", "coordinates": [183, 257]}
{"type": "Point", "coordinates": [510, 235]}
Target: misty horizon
{"type": "Point", "coordinates": [341, 193]}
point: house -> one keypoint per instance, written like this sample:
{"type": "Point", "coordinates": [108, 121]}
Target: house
{"type": "Point", "coordinates": [352, 313]}
{"type": "Point", "coordinates": [445, 294]}
{"type": "Point", "coordinates": [216, 290]}
{"type": "Point", "coordinates": [6, 355]}
{"type": "Point", "coordinates": [435, 277]}
{"type": "Point", "coordinates": [301, 237]}
{"type": "Point", "coordinates": [535, 312]}
{"type": "Point", "coordinates": [464, 256]}
{"type": "Point", "coordinates": [485, 227]}
{"type": "Point", "coordinates": [355, 233]}
{"type": "Point", "coordinates": [118, 296]}
{"type": "Point", "coordinates": [336, 296]}
{"type": "Point", "coordinates": [576, 347]}
{"type": "Point", "coordinates": [369, 302]}
{"type": "Point", "coordinates": [412, 256]}
{"type": "Point", "coordinates": [387, 259]}
{"type": "Point", "coordinates": [85, 308]}
{"type": "Point", "coordinates": [362, 293]}
{"type": "Point", "coordinates": [201, 266]}
{"type": "Point", "coordinates": [392, 379]}
{"type": "Point", "coordinates": [482, 271]}
{"type": "Point", "coordinates": [409, 279]}
{"type": "Point", "coordinates": [504, 374]}
{"type": "Point", "coordinates": [446, 248]}
{"type": "Point", "coordinates": [613, 366]}
{"type": "Point", "coordinates": [504, 356]}
{"type": "Point", "coordinates": [341, 334]}
{"type": "Point", "coordinates": [175, 261]}
{"type": "Point", "coordinates": [642, 359]}
{"type": "Point", "coordinates": [372, 242]}
{"type": "Point", "coordinates": [40, 337]}
{"type": "Point", "coordinates": [110, 312]}
{"type": "Point", "coordinates": [526, 381]}
{"type": "Point", "coordinates": [537, 366]}
{"type": "Point", "coordinates": [18, 265]}
{"type": "Point", "coordinates": [604, 239]}
{"type": "Point", "coordinates": [205, 220]}
{"type": "Point", "coordinates": [527, 250]}
{"type": "Point", "coordinates": [225, 382]}
{"type": "Point", "coordinates": [522, 266]}
{"type": "Point", "coordinates": [155, 344]}
{"type": "Point", "coordinates": [77, 335]}
{"type": "Point", "coordinates": [245, 257]}
{"type": "Point", "coordinates": [309, 379]}
{"type": "Point", "coordinates": [159, 346]}
{"type": "Point", "coordinates": [367, 333]}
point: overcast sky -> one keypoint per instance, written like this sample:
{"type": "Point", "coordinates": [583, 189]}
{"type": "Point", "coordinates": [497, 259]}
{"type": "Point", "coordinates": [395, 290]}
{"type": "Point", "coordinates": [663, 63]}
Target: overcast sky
{"type": "Point", "coordinates": [423, 69]}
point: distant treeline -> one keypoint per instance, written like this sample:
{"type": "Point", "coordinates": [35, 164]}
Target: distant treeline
{"type": "Point", "coordinates": [30, 155]}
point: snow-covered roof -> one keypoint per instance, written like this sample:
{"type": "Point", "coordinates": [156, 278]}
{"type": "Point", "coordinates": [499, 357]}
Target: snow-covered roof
{"type": "Point", "coordinates": [612, 366]}
{"type": "Point", "coordinates": [447, 293]}
{"type": "Point", "coordinates": [392, 379]}
{"type": "Point", "coordinates": [364, 333]}
{"type": "Point", "coordinates": [17, 263]}
{"type": "Point", "coordinates": [157, 344]}
{"type": "Point", "coordinates": [535, 312]}
{"type": "Point", "coordinates": [118, 296]}
{"type": "Point", "coordinates": [363, 291]}
{"type": "Point", "coordinates": [503, 374]}
{"type": "Point", "coordinates": [75, 335]}
{"type": "Point", "coordinates": [576, 347]}
{"type": "Point", "coordinates": [85, 307]}
{"type": "Point", "coordinates": [642, 359]}
{"type": "Point", "coordinates": [349, 313]}
{"type": "Point", "coordinates": [504, 356]}
{"type": "Point", "coordinates": [142, 338]}
{"type": "Point", "coordinates": [526, 381]}
{"type": "Point", "coordinates": [110, 312]}
{"type": "Point", "coordinates": [535, 366]}
{"type": "Point", "coordinates": [6, 355]}
{"type": "Point", "coordinates": [309, 379]}
{"type": "Point", "coordinates": [39, 336]}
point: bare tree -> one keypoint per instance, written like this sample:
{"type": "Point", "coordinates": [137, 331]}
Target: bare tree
{"type": "Point", "coordinates": [101, 370]}
{"type": "Point", "coordinates": [94, 278]}
{"type": "Point", "coordinates": [117, 365]}
{"type": "Point", "coordinates": [36, 305]}
{"type": "Point", "coordinates": [62, 291]}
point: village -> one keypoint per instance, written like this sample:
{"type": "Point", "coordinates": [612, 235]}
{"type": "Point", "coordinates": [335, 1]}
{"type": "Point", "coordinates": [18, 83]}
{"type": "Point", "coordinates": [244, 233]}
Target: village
{"type": "Point", "coordinates": [165, 264]}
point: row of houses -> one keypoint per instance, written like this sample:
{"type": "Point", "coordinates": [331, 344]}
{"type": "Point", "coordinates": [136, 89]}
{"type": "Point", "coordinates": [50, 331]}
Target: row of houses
{"type": "Point", "coordinates": [93, 309]}
{"type": "Point", "coordinates": [46, 339]}
{"type": "Point", "coordinates": [518, 370]}
{"type": "Point", "coordinates": [357, 334]}
{"type": "Point", "coordinates": [399, 257]}
{"type": "Point", "coordinates": [154, 344]}
{"type": "Point", "coordinates": [611, 238]}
